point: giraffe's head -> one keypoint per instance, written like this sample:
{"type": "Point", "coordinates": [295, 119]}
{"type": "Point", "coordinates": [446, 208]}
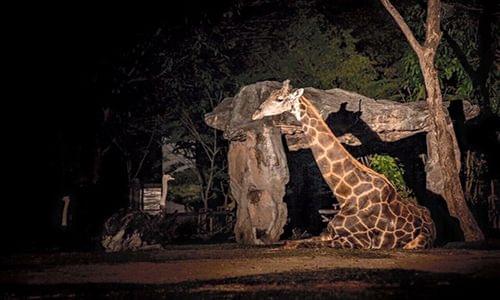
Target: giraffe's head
{"type": "Point", "coordinates": [280, 101]}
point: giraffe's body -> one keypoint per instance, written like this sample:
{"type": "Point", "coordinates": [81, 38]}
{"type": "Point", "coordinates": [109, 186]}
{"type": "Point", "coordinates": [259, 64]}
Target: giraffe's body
{"type": "Point", "coordinates": [372, 214]}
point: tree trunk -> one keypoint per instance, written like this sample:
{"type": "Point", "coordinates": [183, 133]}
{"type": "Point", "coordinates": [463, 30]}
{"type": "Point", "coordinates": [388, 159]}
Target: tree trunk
{"type": "Point", "coordinates": [443, 174]}
{"type": "Point", "coordinates": [445, 149]}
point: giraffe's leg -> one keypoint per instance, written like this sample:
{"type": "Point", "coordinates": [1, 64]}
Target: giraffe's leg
{"type": "Point", "coordinates": [422, 241]}
{"type": "Point", "coordinates": [347, 242]}
{"type": "Point", "coordinates": [425, 237]}
{"type": "Point", "coordinates": [314, 242]}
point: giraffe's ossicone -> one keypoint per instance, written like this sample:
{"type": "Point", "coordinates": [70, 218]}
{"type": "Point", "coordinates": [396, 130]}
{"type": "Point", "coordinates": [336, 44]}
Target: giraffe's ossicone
{"type": "Point", "coordinates": [372, 214]}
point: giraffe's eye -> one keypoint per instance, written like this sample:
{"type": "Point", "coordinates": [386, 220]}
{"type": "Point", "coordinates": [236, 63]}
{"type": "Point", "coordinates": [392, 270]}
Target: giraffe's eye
{"type": "Point", "coordinates": [280, 99]}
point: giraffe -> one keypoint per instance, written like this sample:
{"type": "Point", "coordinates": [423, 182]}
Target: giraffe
{"type": "Point", "coordinates": [372, 215]}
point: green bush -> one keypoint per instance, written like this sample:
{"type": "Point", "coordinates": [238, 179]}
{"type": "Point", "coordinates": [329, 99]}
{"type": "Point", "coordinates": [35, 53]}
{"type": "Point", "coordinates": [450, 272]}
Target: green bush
{"type": "Point", "coordinates": [393, 170]}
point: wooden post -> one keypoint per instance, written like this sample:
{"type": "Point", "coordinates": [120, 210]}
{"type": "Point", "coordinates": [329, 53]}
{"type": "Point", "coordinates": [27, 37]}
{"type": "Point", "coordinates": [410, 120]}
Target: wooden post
{"type": "Point", "coordinates": [64, 216]}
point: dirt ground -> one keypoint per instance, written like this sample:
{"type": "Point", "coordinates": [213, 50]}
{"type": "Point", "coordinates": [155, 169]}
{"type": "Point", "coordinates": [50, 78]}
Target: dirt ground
{"type": "Point", "coordinates": [232, 271]}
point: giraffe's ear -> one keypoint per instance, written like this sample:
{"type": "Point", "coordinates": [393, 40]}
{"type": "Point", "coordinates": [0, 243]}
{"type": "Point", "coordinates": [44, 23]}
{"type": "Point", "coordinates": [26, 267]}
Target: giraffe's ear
{"type": "Point", "coordinates": [286, 86]}
{"type": "Point", "coordinates": [297, 94]}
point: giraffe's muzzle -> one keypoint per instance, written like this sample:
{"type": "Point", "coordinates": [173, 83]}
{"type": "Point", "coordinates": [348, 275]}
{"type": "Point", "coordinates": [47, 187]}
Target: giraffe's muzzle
{"type": "Point", "coordinates": [258, 114]}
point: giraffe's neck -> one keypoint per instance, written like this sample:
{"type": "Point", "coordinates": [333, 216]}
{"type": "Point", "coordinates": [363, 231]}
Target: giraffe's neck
{"type": "Point", "coordinates": [330, 155]}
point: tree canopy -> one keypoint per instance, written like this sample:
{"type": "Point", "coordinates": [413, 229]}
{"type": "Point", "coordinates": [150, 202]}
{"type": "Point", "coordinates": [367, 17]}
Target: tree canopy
{"type": "Point", "coordinates": [159, 87]}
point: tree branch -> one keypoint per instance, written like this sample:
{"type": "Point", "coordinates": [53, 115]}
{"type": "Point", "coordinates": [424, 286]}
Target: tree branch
{"type": "Point", "coordinates": [462, 58]}
{"type": "Point", "coordinates": [463, 6]}
{"type": "Point", "coordinates": [146, 152]}
{"type": "Point", "coordinates": [403, 26]}
{"type": "Point", "coordinates": [432, 31]}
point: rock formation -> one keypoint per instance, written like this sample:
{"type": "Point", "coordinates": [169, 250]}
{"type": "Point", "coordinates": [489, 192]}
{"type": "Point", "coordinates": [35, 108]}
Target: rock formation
{"type": "Point", "coordinates": [258, 167]}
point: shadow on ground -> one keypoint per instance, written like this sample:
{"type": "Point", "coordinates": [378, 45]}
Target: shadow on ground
{"type": "Point", "coordinates": [337, 284]}
{"type": "Point", "coordinates": [20, 262]}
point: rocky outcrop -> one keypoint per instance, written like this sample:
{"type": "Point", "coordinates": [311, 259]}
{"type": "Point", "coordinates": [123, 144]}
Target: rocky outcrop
{"type": "Point", "coordinates": [258, 167]}
{"type": "Point", "coordinates": [258, 174]}
{"type": "Point", "coordinates": [389, 120]}
{"type": "Point", "coordinates": [130, 230]}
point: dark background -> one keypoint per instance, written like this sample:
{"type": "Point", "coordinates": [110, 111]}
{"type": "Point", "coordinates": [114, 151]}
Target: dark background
{"type": "Point", "coordinates": [61, 58]}
{"type": "Point", "coordinates": [56, 97]}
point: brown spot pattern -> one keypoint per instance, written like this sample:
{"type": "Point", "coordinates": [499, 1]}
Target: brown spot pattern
{"type": "Point", "coordinates": [372, 214]}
